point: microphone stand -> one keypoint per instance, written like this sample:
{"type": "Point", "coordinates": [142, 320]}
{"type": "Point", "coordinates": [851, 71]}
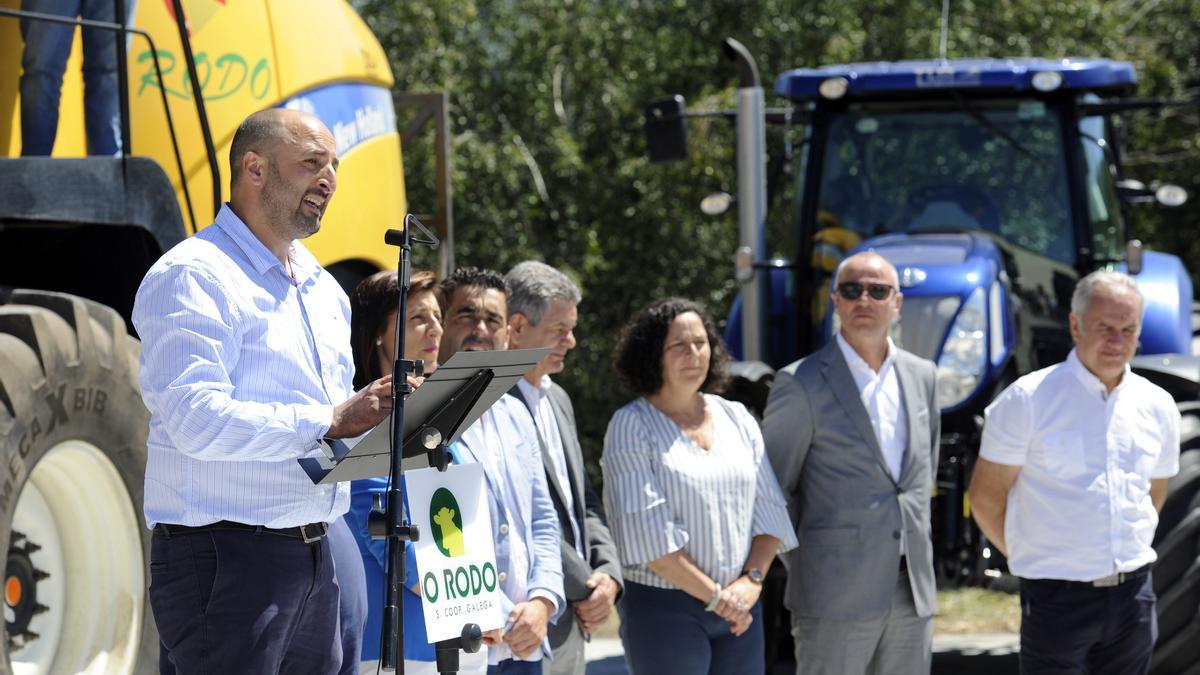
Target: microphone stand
{"type": "Point", "coordinates": [391, 524]}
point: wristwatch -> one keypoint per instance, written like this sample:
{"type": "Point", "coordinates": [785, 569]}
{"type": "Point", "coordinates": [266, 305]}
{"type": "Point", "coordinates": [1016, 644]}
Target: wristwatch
{"type": "Point", "coordinates": [754, 574]}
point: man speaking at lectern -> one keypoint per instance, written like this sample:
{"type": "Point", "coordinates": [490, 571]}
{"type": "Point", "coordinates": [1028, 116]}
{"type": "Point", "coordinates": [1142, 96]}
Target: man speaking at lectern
{"type": "Point", "coordinates": [245, 365]}
{"type": "Point", "coordinates": [504, 440]}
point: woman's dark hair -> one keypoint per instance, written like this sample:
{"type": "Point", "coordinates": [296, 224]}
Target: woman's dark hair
{"type": "Point", "coordinates": [371, 303]}
{"type": "Point", "coordinates": [638, 356]}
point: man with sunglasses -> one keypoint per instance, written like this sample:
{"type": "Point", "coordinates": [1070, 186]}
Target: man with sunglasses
{"type": "Point", "coordinates": [852, 433]}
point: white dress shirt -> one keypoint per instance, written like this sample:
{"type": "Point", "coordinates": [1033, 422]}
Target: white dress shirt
{"type": "Point", "coordinates": [1080, 509]}
{"type": "Point", "coordinates": [880, 394]}
{"type": "Point", "coordinates": [662, 492]}
{"type": "Point", "coordinates": [543, 418]}
{"type": "Point", "coordinates": [240, 368]}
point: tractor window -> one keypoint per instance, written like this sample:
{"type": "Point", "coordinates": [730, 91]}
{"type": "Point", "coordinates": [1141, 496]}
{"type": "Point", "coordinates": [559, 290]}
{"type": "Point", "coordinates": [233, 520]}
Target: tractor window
{"type": "Point", "coordinates": [1103, 204]}
{"type": "Point", "coordinates": [994, 166]}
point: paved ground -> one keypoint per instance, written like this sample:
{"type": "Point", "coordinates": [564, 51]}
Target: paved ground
{"type": "Point", "coordinates": [983, 654]}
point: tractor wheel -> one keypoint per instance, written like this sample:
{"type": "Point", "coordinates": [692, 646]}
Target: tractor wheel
{"type": "Point", "coordinates": [1181, 489]}
{"type": "Point", "coordinates": [1177, 542]}
{"type": "Point", "coordinates": [1176, 552]}
{"type": "Point", "coordinates": [1196, 329]}
{"type": "Point", "coordinates": [73, 455]}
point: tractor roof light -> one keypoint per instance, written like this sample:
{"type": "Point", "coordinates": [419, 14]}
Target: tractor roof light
{"type": "Point", "coordinates": [1047, 80]}
{"type": "Point", "coordinates": [834, 88]}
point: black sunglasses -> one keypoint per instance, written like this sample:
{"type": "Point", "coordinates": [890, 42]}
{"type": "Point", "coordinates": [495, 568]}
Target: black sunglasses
{"type": "Point", "coordinates": [852, 290]}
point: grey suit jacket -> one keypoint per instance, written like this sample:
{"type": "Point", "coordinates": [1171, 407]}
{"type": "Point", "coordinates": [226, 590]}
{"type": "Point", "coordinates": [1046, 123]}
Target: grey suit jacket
{"type": "Point", "coordinates": [588, 513]}
{"type": "Point", "coordinates": [847, 509]}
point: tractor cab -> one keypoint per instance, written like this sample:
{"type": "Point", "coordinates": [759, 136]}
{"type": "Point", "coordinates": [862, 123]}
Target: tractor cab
{"type": "Point", "coordinates": [992, 185]}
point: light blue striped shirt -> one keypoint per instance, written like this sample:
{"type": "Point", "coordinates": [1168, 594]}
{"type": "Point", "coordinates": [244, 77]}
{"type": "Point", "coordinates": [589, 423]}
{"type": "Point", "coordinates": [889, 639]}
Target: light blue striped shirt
{"type": "Point", "coordinates": [662, 492]}
{"type": "Point", "coordinates": [240, 369]}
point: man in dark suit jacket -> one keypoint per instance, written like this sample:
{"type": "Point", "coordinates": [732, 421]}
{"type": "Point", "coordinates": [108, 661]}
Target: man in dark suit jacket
{"type": "Point", "coordinates": [542, 313]}
{"type": "Point", "coordinates": [852, 433]}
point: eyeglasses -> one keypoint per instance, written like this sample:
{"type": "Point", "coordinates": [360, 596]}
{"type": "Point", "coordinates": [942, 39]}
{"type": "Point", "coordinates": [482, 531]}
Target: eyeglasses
{"type": "Point", "coordinates": [853, 290]}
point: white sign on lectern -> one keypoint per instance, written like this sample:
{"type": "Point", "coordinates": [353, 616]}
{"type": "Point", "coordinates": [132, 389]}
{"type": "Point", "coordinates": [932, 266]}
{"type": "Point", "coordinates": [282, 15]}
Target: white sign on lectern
{"type": "Point", "coordinates": [458, 582]}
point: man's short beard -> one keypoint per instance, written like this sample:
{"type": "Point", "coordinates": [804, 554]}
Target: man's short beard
{"type": "Point", "coordinates": [297, 224]}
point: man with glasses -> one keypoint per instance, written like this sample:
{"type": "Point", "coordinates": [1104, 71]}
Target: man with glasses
{"type": "Point", "coordinates": [852, 433]}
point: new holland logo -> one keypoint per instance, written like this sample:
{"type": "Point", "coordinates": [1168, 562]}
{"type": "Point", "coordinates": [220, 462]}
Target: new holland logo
{"type": "Point", "coordinates": [446, 523]}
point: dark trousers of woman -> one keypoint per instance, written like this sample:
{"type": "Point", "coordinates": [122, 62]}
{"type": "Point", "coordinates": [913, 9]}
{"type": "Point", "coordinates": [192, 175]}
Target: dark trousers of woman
{"type": "Point", "coordinates": [667, 632]}
{"type": "Point", "coordinates": [1072, 627]}
{"type": "Point", "coordinates": [245, 602]}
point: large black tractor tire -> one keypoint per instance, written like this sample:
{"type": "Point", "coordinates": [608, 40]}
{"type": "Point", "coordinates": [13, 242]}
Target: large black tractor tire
{"type": "Point", "coordinates": [1177, 552]}
{"type": "Point", "coordinates": [72, 460]}
{"type": "Point", "coordinates": [1178, 653]}
{"type": "Point", "coordinates": [1178, 602]}
{"type": "Point", "coordinates": [1177, 571]}
{"type": "Point", "coordinates": [1182, 488]}
{"type": "Point", "coordinates": [1196, 329]}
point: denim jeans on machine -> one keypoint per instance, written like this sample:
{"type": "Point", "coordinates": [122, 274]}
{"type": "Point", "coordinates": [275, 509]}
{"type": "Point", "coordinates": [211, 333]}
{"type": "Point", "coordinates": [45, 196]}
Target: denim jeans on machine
{"type": "Point", "coordinates": [47, 46]}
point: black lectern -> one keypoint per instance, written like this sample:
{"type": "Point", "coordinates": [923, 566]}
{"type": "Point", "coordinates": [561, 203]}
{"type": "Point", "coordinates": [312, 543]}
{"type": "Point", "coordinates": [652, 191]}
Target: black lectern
{"type": "Point", "coordinates": [435, 415]}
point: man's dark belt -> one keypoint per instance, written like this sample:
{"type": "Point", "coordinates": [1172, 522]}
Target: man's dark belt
{"type": "Point", "coordinates": [307, 533]}
{"type": "Point", "coordinates": [1118, 578]}
{"type": "Point", "coordinates": [1103, 582]}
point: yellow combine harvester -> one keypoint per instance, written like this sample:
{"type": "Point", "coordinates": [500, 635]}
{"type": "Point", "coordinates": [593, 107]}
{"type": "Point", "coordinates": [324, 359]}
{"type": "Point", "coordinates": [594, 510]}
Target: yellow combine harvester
{"type": "Point", "coordinates": [76, 236]}
{"type": "Point", "coordinates": [314, 55]}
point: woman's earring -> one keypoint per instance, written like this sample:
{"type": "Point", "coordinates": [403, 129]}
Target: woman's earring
{"type": "Point", "coordinates": [378, 342]}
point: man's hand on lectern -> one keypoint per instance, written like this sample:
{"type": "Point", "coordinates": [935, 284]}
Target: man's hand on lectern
{"type": "Point", "coordinates": [362, 411]}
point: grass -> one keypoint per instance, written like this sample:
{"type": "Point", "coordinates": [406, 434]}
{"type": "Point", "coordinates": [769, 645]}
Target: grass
{"type": "Point", "coordinates": [976, 610]}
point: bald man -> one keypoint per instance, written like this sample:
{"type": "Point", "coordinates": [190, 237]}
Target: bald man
{"type": "Point", "coordinates": [245, 365]}
{"type": "Point", "coordinates": [852, 433]}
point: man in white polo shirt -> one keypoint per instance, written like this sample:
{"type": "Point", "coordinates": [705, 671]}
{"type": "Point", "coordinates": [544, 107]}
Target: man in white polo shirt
{"type": "Point", "coordinates": [1072, 472]}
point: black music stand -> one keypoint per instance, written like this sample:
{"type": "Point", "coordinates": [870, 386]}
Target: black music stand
{"type": "Point", "coordinates": [436, 414]}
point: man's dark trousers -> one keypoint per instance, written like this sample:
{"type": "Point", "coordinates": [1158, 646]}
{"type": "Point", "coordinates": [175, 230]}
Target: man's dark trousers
{"type": "Point", "coordinates": [1070, 627]}
{"type": "Point", "coordinates": [245, 602]}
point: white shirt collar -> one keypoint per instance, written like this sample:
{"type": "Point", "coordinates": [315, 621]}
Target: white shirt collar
{"type": "Point", "coordinates": [857, 362]}
{"type": "Point", "coordinates": [1089, 380]}
{"type": "Point", "coordinates": [535, 394]}
{"type": "Point", "coordinates": [304, 264]}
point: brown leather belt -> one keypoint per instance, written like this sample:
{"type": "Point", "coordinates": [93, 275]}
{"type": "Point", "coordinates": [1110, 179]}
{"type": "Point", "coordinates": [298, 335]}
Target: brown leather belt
{"type": "Point", "coordinates": [307, 533]}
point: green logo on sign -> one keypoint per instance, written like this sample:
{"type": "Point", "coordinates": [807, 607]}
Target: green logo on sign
{"type": "Point", "coordinates": [447, 523]}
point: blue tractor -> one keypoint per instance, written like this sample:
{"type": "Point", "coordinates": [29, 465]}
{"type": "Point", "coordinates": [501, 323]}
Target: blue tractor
{"type": "Point", "coordinates": [992, 185]}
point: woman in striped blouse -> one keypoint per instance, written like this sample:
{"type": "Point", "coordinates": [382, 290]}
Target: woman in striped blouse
{"type": "Point", "coordinates": [692, 502]}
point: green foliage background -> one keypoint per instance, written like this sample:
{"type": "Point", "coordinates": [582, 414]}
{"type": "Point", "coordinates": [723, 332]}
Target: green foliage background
{"type": "Point", "coordinates": [549, 157]}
